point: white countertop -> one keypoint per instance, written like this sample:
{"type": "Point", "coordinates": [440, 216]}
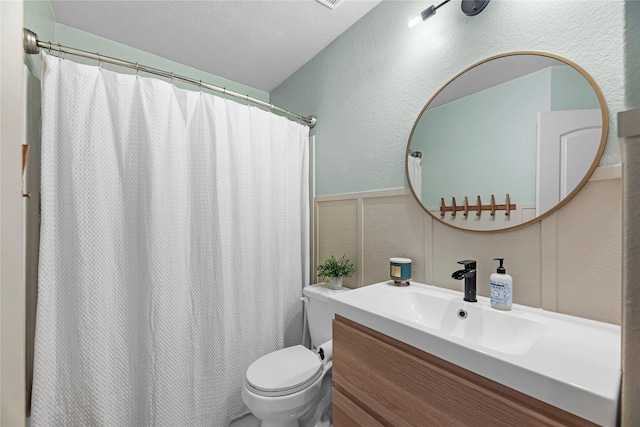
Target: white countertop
{"type": "Point", "coordinates": [569, 362]}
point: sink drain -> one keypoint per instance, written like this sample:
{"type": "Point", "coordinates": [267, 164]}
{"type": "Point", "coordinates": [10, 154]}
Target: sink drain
{"type": "Point", "coordinates": [462, 314]}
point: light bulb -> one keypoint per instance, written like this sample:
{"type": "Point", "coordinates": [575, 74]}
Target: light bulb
{"type": "Point", "coordinates": [427, 13]}
{"type": "Point", "coordinates": [413, 21]}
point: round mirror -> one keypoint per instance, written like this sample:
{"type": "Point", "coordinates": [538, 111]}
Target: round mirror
{"type": "Point", "coordinates": [507, 141]}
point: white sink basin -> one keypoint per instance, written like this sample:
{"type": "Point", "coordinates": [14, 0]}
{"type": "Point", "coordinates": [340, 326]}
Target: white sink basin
{"type": "Point", "coordinates": [568, 362]}
{"type": "Point", "coordinates": [478, 324]}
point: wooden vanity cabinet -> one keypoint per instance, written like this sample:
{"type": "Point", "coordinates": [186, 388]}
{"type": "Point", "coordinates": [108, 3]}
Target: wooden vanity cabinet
{"type": "Point", "coordinates": [380, 381]}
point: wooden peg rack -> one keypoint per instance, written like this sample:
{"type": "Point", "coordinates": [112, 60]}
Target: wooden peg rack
{"type": "Point", "coordinates": [477, 208]}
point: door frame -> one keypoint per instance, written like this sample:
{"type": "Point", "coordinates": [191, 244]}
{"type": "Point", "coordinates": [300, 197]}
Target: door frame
{"type": "Point", "coordinates": [12, 288]}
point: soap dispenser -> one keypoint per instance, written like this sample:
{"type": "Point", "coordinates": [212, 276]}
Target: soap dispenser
{"type": "Point", "coordinates": [501, 288]}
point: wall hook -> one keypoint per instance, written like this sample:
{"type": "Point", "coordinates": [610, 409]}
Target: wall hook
{"type": "Point", "coordinates": [478, 207]}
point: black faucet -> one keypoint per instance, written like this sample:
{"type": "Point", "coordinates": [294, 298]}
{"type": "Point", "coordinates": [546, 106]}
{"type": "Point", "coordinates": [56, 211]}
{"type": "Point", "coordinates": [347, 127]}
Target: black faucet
{"type": "Point", "coordinates": [469, 276]}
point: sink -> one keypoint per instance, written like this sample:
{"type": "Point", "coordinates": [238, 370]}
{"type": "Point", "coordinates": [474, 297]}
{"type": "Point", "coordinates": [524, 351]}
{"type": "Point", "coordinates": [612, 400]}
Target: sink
{"type": "Point", "coordinates": [506, 332]}
{"type": "Point", "coordinates": [566, 361]}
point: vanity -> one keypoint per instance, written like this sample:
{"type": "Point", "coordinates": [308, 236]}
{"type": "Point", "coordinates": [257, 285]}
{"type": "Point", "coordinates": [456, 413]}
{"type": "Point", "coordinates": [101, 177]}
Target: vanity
{"type": "Point", "coordinates": [421, 356]}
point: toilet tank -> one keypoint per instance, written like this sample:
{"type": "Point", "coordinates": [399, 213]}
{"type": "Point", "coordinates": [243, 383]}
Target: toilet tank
{"type": "Point", "coordinates": [318, 315]}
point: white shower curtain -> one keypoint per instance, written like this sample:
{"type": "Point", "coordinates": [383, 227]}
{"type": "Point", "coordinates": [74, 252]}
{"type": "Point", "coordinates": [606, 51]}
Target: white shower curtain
{"type": "Point", "coordinates": [414, 167]}
{"type": "Point", "coordinates": [173, 250]}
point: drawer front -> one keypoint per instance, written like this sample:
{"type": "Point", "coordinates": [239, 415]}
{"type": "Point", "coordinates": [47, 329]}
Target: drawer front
{"type": "Point", "coordinates": [347, 413]}
{"type": "Point", "coordinates": [407, 387]}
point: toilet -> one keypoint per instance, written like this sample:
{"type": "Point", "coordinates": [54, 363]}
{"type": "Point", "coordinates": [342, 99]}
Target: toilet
{"type": "Point", "coordinates": [287, 386]}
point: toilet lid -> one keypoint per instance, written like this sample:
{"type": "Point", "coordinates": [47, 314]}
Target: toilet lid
{"type": "Point", "coordinates": [284, 371]}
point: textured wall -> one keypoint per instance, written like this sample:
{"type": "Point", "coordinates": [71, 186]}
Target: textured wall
{"type": "Point", "coordinates": [369, 85]}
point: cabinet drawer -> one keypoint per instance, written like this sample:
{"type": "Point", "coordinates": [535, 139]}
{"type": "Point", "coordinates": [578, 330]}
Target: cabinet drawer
{"type": "Point", "coordinates": [407, 387]}
{"type": "Point", "coordinates": [347, 413]}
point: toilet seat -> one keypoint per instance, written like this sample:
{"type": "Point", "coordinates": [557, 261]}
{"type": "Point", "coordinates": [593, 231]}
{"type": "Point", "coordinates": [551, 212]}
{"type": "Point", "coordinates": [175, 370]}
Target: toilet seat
{"type": "Point", "coordinates": [284, 372]}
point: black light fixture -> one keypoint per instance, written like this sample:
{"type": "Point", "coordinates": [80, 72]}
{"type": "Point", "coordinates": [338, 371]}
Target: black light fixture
{"type": "Point", "coordinates": [469, 8]}
{"type": "Point", "coordinates": [473, 7]}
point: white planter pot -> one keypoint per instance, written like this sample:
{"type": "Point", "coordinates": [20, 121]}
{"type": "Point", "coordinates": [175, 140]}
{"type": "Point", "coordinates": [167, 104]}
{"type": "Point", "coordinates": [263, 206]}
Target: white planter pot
{"type": "Point", "coordinates": [335, 283]}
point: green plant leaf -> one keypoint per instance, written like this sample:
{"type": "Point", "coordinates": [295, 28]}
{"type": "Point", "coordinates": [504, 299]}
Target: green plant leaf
{"type": "Point", "coordinates": [336, 267]}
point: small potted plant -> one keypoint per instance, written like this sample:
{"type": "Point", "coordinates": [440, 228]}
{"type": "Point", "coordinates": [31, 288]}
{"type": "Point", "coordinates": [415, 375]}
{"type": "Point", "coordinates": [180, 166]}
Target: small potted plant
{"type": "Point", "coordinates": [335, 270]}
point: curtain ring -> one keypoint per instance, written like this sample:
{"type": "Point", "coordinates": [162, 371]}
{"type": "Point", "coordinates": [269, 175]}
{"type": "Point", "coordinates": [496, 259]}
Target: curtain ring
{"type": "Point", "coordinates": [59, 52]}
{"type": "Point", "coordinates": [49, 47]}
{"type": "Point", "coordinates": [224, 92]}
{"type": "Point", "coordinates": [99, 60]}
{"type": "Point", "coordinates": [137, 69]}
{"type": "Point", "coordinates": [172, 78]}
{"type": "Point", "coordinates": [247, 100]}
{"type": "Point", "coordinates": [271, 108]}
{"type": "Point", "coordinates": [200, 84]}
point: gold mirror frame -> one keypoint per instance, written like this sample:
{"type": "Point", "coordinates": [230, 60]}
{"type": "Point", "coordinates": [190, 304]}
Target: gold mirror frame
{"type": "Point", "coordinates": [594, 165]}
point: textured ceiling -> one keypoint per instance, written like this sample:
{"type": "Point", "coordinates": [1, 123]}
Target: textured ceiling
{"type": "Point", "coordinates": [255, 42]}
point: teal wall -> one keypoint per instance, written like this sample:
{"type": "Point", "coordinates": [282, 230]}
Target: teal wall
{"type": "Point", "coordinates": [370, 84]}
{"type": "Point", "coordinates": [39, 18]}
{"type": "Point", "coordinates": [632, 46]}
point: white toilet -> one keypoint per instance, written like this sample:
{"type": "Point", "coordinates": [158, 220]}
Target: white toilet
{"type": "Point", "coordinates": [282, 387]}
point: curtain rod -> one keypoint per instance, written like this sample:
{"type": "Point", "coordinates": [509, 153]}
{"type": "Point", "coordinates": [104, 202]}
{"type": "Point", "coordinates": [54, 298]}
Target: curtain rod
{"type": "Point", "coordinates": [32, 46]}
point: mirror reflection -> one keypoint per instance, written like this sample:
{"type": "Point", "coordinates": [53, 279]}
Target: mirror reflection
{"type": "Point", "coordinates": [507, 141]}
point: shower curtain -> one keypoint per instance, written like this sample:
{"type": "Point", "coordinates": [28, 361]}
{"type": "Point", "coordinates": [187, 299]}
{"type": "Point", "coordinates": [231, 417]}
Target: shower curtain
{"type": "Point", "coordinates": [174, 246]}
{"type": "Point", "coordinates": [414, 167]}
